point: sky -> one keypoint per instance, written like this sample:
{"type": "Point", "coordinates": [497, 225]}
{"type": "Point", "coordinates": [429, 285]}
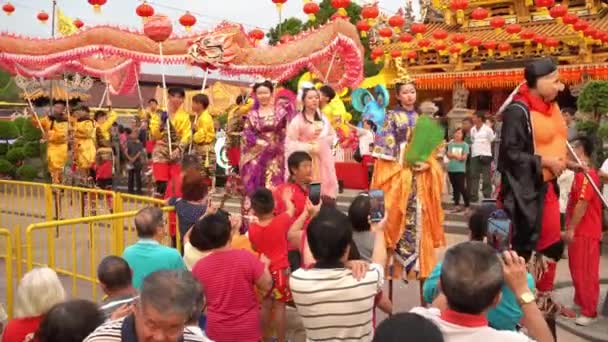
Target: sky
{"type": "Point", "coordinates": [250, 13]}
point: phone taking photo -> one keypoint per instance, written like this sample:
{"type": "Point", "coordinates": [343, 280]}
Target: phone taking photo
{"type": "Point", "coordinates": [499, 231]}
{"type": "Point", "coordinates": [376, 201]}
{"type": "Point", "coordinates": [314, 193]}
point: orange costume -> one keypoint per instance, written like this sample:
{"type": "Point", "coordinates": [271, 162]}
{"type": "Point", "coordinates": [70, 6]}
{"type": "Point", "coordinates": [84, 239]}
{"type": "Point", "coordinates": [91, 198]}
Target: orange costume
{"type": "Point", "coordinates": [413, 199]}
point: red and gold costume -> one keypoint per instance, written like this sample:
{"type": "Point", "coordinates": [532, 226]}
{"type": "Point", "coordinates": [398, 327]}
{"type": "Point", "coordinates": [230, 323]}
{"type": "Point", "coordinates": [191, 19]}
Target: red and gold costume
{"type": "Point", "coordinates": [104, 157]}
{"type": "Point", "coordinates": [163, 165]}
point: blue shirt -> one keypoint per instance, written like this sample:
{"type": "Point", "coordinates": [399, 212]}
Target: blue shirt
{"type": "Point", "coordinates": [459, 149]}
{"type": "Point", "coordinates": [505, 316]}
{"type": "Point", "coordinates": [148, 256]}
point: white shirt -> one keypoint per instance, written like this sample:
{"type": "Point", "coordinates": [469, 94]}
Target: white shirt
{"type": "Point", "coordinates": [458, 333]}
{"type": "Point", "coordinates": [333, 305]}
{"type": "Point", "coordinates": [564, 181]}
{"type": "Point", "coordinates": [604, 169]}
{"type": "Point", "coordinates": [482, 141]}
{"type": "Point", "coordinates": [366, 138]}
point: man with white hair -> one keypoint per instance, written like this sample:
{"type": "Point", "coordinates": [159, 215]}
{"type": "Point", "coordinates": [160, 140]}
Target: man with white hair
{"type": "Point", "coordinates": [165, 307]}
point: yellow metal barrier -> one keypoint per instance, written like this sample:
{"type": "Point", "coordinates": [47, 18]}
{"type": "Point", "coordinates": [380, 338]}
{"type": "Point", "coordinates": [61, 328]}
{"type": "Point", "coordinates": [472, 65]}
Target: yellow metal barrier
{"type": "Point", "coordinates": [23, 202]}
{"type": "Point", "coordinates": [7, 255]}
{"type": "Point", "coordinates": [79, 246]}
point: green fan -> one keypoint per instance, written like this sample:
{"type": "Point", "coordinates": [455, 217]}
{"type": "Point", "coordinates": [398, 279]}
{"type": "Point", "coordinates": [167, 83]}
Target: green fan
{"type": "Point", "coordinates": [427, 136]}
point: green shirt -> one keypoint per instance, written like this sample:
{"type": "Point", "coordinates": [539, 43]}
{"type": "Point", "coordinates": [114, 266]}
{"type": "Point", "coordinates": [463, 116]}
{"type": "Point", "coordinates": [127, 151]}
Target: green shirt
{"type": "Point", "coordinates": [457, 149]}
{"type": "Point", "coordinates": [148, 256]}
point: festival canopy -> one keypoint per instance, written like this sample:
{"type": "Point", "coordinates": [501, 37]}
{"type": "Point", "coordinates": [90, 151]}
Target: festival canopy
{"type": "Point", "coordinates": [115, 54]}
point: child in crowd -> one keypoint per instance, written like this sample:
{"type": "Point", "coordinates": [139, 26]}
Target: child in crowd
{"type": "Point", "coordinates": [583, 233]}
{"type": "Point", "coordinates": [269, 237]}
{"type": "Point", "coordinates": [104, 159]}
{"type": "Point", "coordinates": [136, 156]}
{"type": "Point", "coordinates": [457, 153]}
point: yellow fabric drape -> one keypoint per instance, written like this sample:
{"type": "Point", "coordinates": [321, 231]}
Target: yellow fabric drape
{"type": "Point", "coordinates": [396, 182]}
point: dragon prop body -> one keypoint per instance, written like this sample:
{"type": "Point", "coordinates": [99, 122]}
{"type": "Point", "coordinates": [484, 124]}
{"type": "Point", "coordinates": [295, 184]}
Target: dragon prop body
{"type": "Point", "coordinates": [116, 54]}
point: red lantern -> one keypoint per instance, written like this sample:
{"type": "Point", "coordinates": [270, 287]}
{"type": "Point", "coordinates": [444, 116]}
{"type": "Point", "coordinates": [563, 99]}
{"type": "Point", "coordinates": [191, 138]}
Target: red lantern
{"type": "Point", "coordinates": [187, 20]}
{"type": "Point", "coordinates": [479, 13]}
{"type": "Point", "coordinates": [406, 38]}
{"type": "Point", "coordinates": [475, 43]}
{"type": "Point", "coordinates": [440, 46]}
{"type": "Point", "coordinates": [311, 8]}
{"type": "Point", "coordinates": [363, 26]}
{"type": "Point", "coordinates": [497, 23]}
{"type": "Point", "coordinates": [279, 4]}
{"type": "Point", "coordinates": [570, 18]}
{"type": "Point", "coordinates": [42, 16]}
{"type": "Point", "coordinates": [144, 10]}
{"type": "Point", "coordinates": [396, 22]}
{"type": "Point", "coordinates": [455, 50]}
{"type": "Point", "coordinates": [386, 33]}
{"type": "Point", "coordinates": [544, 3]}
{"type": "Point", "coordinates": [459, 6]}
{"type": "Point", "coordinates": [513, 28]}
{"type": "Point", "coordinates": [540, 40]}
{"type": "Point", "coordinates": [341, 6]}
{"type": "Point", "coordinates": [8, 8]}
{"type": "Point", "coordinates": [256, 35]}
{"type": "Point", "coordinates": [581, 25]}
{"type": "Point", "coordinates": [527, 35]}
{"type": "Point", "coordinates": [552, 43]}
{"type": "Point", "coordinates": [490, 45]}
{"type": "Point", "coordinates": [418, 29]}
{"type": "Point", "coordinates": [412, 55]}
{"type": "Point", "coordinates": [395, 54]}
{"type": "Point", "coordinates": [97, 4]}
{"type": "Point", "coordinates": [440, 34]}
{"type": "Point", "coordinates": [504, 48]}
{"type": "Point", "coordinates": [424, 44]}
{"type": "Point", "coordinates": [370, 13]}
{"type": "Point", "coordinates": [78, 23]}
{"type": "Point", "coordinates": [458, 38]}
{"type": "Point", "coordinates": [377, 53]}
{"type": "Point", "coordinates": [589, 32]}
{"type": "Point", "coordinates": [558, 12]}
{"type": "Point", "coordinates": [158, 28]}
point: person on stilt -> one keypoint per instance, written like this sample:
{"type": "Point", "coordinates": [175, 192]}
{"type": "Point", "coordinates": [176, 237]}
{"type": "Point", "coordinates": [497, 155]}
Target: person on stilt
{"type": "Point", "coordinates": [532, 154]}
{"type": "Point", "coordinates": [412, 234]}
{"type": "Point", "coordinates": [203, 139]}
{"type": "Point", "coordinates": [55, 128]}
{"type": "Point", "coordinates": [104, 156]}
{"type": "Point", "coordinates": [84, 145]}
{"type": "Point", "coordinates": [174, 125]}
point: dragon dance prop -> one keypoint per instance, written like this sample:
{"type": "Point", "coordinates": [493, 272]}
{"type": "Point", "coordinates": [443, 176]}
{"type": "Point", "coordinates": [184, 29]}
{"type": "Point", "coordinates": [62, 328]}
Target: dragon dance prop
{"type": "Point", "coordinates": [427, 136]}
{"type": "Point", "coordinates": [116, 54]}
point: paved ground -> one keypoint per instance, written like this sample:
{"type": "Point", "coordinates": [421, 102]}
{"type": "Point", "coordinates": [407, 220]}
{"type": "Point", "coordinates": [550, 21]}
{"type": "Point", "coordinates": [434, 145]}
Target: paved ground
{"type": "Point", "coordinates": [78, 238]}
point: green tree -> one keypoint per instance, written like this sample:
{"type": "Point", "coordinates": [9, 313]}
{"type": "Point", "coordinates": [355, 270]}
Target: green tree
{"type": "Point", "coordinates": [291, 26]}
{"type": "Point", "coordinates": [593, 99]}
{"type": "Point", "coordinates": [8, 89]}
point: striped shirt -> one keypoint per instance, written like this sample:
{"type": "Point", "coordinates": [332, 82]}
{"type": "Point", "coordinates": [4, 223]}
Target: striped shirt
{"type": "Point", "coordinates": [114, 331]}
{"type": "Point", "coordinates": [333, 305]}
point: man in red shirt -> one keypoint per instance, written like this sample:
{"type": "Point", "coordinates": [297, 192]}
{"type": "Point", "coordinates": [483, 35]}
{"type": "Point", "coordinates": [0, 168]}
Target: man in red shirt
{"type": "Point", "coordinates": [174, 189]}
{"type": "Point", "coordinates": [299, 165]}
{"type": "Point", "coordinates": [583, 233]}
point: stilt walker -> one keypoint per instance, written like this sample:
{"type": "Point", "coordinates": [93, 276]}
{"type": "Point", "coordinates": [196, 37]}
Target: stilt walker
{"type": "Point", "coordinates": [533, 153]}
{"type": "Point", "coordinates": [104, 156]}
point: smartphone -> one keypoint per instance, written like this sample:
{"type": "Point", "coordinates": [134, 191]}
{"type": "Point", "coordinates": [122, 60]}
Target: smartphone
{"type": "Point", "coordinates": [499, 231]}
{"type": "Point", "coordinates": [376, 201]}
{"type": "Point", "coordinates": [314, 193]}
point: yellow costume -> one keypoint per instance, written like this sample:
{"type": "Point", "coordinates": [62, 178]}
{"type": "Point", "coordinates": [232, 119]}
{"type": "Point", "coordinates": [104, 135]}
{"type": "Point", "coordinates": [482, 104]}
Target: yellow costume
{"type": "Point", "coordinates": [84, 141]}
{"type": "Point", "coordinates": [338, 116]}
{"type": "Point", "coordinates": [103, 130]}
{"type": "Point", "coordinates": [181, 133]}
{"type": "Point", "coordinates": [203, 139]}
{"type": "Point", "coordinates": [56, 132]}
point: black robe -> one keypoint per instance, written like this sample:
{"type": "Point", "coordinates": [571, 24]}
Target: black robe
{"type": "Point", "coordinates": [522, 188]}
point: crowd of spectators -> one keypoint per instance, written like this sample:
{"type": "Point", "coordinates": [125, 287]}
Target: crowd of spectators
{"type": "Point", "coordinates": [233, 286]}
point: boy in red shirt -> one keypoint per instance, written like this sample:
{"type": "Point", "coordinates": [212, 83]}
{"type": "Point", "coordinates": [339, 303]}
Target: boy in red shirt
{"type": "Point", "coordinates": [269, 237]}
{"type": "Point", "coordinates": [583, 233]}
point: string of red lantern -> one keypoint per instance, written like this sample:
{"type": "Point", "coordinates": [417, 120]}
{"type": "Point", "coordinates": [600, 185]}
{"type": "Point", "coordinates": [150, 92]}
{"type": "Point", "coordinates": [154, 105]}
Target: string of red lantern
{"type": "Point", "coordinates": [8, 8]}
{"type": "Point", "coordinates": [187, 21]}
{"type": "Point", "coordinates": [42, 16]}
{"type": "Point", "coordinates": [78, 23]}
{"type": "Point", "coordinates": [97, 4]}
{"type": "Point", "coordinates": [144, 10]}
{"type": "Point", "coordinates": [311, 8]}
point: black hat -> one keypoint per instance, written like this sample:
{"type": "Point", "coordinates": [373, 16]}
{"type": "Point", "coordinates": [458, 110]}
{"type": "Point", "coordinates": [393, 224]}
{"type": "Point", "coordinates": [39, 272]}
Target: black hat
{"type": "Point", "coordinates": [537, 69]}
